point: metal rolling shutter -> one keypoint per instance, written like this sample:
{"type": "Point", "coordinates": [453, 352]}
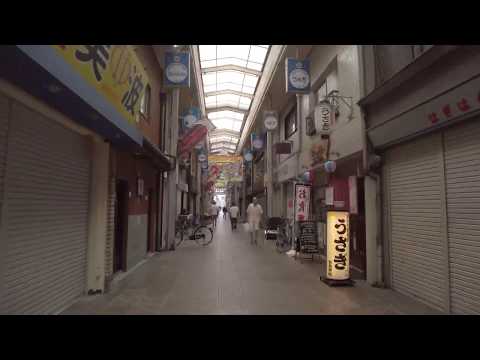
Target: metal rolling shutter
{"type": "Point", "coordinates": [110, 229]}
{"type": "Point", "coordinates": [4, 110]}
{"type": "Point", "coordinates": [462, 169]}
{"type": "Point", "coordinates": [415, 193]}
{"type": "Point", "coordinates": [46, 199]}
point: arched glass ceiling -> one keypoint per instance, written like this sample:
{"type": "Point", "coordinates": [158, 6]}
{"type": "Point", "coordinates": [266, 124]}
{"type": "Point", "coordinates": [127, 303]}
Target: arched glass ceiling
{"type": "Point", "coordinates": [230, 74]}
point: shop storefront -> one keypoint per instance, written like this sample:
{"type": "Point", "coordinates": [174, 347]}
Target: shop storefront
{"type": "Point", "coordinates": [431, 167]}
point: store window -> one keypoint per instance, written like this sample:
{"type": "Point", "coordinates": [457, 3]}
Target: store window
{"type": "Point", "coordinates": [145, 103]}
{"type": "Point", "coordinates": [291, 123]}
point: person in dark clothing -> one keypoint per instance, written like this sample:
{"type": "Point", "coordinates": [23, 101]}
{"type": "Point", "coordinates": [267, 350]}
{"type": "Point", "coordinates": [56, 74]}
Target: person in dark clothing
{"type": "Point", "coordinates": [224, 212]}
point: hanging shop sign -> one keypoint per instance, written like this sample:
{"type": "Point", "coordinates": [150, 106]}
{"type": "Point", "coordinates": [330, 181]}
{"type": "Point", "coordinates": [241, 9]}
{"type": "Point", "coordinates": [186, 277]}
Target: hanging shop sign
{"type": "Point", "coordinates": [282, 148]}
{"type": "Point", "coordinates": [353, 195]}
{"type": "Point", "coordinates": [257, 141]}
{"type": "Point", "coordinates": [113, 70]}
{"type": "Point", "coordinates": [297, 75]}
{"type": "Point", "coordinates": [177, 69]}
{"type": "Point", "coordinates": [338, 232]}
{"type": "Point", "coordinates": [270, 120]}
{"type": "Point", "coordinates": [222, 159]}
{"type": "Point", "coordinates": [302, 202]}
{"type": "Point", "coordinates": [323, 115]}
{"type": "Point", "coordinates": [192, 138]}
{"type": "Point", "coordinates": [191, 117]}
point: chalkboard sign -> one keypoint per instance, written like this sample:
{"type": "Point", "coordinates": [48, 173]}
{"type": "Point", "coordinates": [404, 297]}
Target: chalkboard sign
{"type": "Point", "coordinates": [307, 236]}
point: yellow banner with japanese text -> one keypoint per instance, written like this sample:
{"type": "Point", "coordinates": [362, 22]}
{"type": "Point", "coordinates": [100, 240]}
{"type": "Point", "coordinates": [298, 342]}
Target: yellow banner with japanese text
{"type": "Point", "coordinates": [217, 159]}
{"type": "Point", "coordinates": [113, 70]}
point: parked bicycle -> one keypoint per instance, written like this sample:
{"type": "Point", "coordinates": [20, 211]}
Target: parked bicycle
{"type": "Point", "coordinates": [284, 236]}
{"type": "Point", "coordinates": [186, 229]}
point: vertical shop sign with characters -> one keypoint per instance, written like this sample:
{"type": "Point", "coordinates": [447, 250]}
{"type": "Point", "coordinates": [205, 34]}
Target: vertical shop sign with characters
{"type": "Point", "coordinates": [338, 232]}
{"type": "Point", "coordinates": [302, 202]}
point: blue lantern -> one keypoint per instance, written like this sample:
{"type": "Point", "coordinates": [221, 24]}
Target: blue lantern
{"type": "Point", "coordinates": [330, 166]}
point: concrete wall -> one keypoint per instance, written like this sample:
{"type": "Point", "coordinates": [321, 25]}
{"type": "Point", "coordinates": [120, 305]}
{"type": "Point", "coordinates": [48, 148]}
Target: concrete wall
{"type": "Point", "coordinates": [371, 230]}
{"type": "Point", "coordinates": [97, 222]}
{"type": "Point", "coordinates": [137, 239]}
{"type": "Point", "coordinates": [150, 128]}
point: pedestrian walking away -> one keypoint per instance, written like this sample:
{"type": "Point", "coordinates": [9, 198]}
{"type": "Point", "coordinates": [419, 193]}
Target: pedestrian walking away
{"type": "Point", "coordinates": [213, 214]}
{"type": "Point", "coordinates": [254, 215]}
{"type": "Point", "coordinates": [224, 212]}
{"type": "Point", "coordinates": [234, 210]}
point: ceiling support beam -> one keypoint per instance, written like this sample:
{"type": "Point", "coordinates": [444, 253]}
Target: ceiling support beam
{"type": "Point", "coordinates": [232, 68]}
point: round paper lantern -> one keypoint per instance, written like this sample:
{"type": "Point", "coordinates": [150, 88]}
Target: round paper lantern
{"type": "Point", "coordinates": [330, 166]}
{"type": "Point", "coordinates": [248, 156]}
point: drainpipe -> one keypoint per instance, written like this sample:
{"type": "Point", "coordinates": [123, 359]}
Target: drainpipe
{"type": "Point", "coordinates": [378, 199]}
{"type": "Point", "coordinates": [172, 176]}
{"type": "Point", "coordinates": [373, 175]}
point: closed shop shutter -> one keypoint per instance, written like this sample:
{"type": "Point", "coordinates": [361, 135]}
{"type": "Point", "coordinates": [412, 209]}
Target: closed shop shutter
{"type": "Point", "coordinates": [4, 110]}
{"type": "Point", "coordinates": [414, 174]}
{"type": "Point", "coordinates": [46, 220]}
{"type": "Point", "coordinates": [110, 229]}
{"type": "Point", "coordinates": [462, 169]}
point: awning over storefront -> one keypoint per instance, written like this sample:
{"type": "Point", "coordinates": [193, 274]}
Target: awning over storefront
{"type": "Point", "coordinates": [162, 161]}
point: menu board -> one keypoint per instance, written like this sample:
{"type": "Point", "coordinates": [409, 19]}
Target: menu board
{"type": "Point", "coordinates": [307, 236]}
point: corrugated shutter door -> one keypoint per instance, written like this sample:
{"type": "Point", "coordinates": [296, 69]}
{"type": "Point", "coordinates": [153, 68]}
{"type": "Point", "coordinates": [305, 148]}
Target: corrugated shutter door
{"type": "Point", "coordinates": [462, 169]}
{"type": "Point", "coordinates": [4, 110]}
{"type": "Point", "coordinates": [417, 240]}
{"type": "Point", "coordinates": [47, 191]}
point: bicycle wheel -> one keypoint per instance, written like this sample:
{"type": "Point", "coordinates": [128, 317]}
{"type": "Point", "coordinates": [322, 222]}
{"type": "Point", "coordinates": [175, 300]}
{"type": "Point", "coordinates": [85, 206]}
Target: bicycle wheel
{"type": "Point", "coordinates": [179, 236]}
{"type": "Point", "coordinates": [203, 235]}
{"type": "Point", "coordinates": [282, 244]}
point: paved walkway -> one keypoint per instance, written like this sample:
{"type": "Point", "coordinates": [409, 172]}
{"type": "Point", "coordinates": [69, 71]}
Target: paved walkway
{"type": "Point", "coordinates": [233, 277]}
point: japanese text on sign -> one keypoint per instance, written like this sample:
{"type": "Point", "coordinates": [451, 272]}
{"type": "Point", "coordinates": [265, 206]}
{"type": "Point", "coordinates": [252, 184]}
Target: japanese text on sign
{"type": "Point", "coordinates": [113, 70]}
{"type": "Point", "coordinates": [302, 202]}
{"type": "Point", "coordinates": [338, 245]}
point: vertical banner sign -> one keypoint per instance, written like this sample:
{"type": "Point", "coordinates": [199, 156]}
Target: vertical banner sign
{"type": "Point", "coordinates": [302, 202]}
{"type": "Point", "coordinates": [323, 115]}
{"type": "Point", "coordinates": [297, 76]}
{"type": "Point", "coordinates": [177, 69]}
{"type": "Point", "coordinates": [352, 193]}
{"type": "Point", "coordinates": [113, 70]}
{"type": "Point", "coordinates": [338, 232]}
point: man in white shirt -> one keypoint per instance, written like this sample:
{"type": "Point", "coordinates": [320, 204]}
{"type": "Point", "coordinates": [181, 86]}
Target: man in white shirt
{"type": "Point", "coordinates": [254, 215]}
{"type": "Point", "coordinates": [234, 210]}
{"type": "Point", "coordinates": [213, 214]}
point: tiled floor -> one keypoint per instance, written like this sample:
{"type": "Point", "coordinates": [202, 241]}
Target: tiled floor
{"type": "Point", "coordinates": [233, 277]}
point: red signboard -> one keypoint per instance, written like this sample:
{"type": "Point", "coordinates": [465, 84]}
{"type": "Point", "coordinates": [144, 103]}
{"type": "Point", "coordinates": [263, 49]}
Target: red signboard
{"type": "Point", "coordinates": [192, 138]}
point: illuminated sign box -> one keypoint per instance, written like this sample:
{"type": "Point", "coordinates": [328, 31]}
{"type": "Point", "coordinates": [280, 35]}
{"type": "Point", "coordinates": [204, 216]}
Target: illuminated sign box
{"type": "Point", "coordinates": [338, 245]}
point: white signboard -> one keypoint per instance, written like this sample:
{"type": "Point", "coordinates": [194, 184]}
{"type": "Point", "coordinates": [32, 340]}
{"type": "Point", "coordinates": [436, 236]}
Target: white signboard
{"type": "Point", "coordinates": [338, 232]}
{"type": "Point", "coordinates": [323, 117]}
{"type": "Point", "coordinates": [302, 202]}
{"type": "Point", "coordinates": [270, 121]}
